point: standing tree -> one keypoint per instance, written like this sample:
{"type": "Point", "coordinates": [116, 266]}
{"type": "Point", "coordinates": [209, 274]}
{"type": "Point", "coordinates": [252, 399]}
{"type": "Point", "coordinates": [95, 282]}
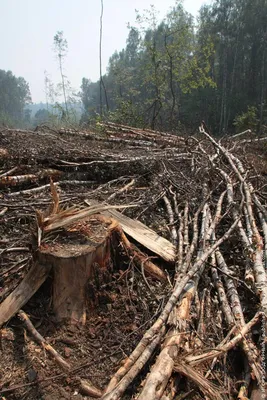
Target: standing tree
{"type": "Point", "coordinates": [46, 82]}
{"type": "Point", "coordinates": [101, 81]}
{"type": "Point", "coordinates": [14, 96]}
{"type": "Point", "coordinates": [61, 49]}
{"type": "Point", "coordinates": [42, 116]}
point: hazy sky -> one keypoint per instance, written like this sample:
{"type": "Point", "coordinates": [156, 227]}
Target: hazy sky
{"type": "Point", "coordinates": [27, 29]}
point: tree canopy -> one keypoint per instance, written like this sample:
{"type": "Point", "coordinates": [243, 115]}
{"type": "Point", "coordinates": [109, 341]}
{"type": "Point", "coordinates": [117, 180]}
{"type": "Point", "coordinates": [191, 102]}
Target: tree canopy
{"type": "Point", "coordinates": [174, 72]}
{"type": "Point", "coordinates": [15, 94]}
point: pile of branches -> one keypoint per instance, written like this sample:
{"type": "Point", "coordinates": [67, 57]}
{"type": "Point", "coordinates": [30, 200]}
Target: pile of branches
{"type": "Point", "coordinates": [214, 306]}
{"type": "Point", "coordinates": [208, 341]}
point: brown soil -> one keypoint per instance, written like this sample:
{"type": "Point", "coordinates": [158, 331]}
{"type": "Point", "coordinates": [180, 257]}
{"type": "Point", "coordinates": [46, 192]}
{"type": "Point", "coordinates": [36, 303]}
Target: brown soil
{"type": "Point", "coordinates": [126, 307]}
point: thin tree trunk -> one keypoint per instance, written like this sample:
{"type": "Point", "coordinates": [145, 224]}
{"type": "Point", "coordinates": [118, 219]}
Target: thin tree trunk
{"type": "Point", "coordinates": [171, 81]}
{"type": "Point", "coordinates": [262, 90]}
{"type": "Point", "coordinates": [101, 82]}
{"type": "Point", "coordinates": [63, 84]}
{"type": "Point", "coordinates": [100, 59]}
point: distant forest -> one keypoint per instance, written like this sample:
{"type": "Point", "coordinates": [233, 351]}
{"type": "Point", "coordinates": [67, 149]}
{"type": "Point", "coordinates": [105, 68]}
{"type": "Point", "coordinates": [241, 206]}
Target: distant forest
{"type": "Point", "coordinates": [174, 73]}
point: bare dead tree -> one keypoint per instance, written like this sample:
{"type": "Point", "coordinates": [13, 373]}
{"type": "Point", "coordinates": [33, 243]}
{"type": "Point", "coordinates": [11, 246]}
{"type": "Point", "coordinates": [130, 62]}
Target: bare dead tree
{"type": "Point", "coordinates": [101, 81]}
{"type": "Point", "coordinates": [61, 48]}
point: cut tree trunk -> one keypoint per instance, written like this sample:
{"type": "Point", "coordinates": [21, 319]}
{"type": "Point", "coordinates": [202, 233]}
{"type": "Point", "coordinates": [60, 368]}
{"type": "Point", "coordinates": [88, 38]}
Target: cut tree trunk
{"type": "Point", "coordinates": [80, 259]}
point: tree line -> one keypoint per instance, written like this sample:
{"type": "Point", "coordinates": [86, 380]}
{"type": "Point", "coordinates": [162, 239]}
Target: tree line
{"type": "Point", "coordinates": [175, 73]}
{"type": "Point", "coordinates": [171, 74]}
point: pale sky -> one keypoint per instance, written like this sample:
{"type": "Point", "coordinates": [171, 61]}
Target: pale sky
{"type": "Point", "coordinates": [27, 29]}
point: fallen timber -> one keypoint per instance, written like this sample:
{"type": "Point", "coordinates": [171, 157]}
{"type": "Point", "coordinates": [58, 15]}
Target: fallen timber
{"type": "Point", "coordinates": [181, 231]}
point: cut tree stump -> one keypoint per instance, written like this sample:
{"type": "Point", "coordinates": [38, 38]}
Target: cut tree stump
{"type": "Point", "coordinates": [78, 255]}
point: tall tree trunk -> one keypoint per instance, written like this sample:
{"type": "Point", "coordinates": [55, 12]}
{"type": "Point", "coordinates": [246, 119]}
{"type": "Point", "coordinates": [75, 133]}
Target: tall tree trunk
{"type": "Point", "coordinates": [171, 81]}
{"type": "Point", "coordinates": [263, 85]}
{"type": "Point", "coordinates": [63, 84]}
{"type": "Point", "coordinates": [101, 82]}
{"type": "Point", "coordinates": [224, 94]}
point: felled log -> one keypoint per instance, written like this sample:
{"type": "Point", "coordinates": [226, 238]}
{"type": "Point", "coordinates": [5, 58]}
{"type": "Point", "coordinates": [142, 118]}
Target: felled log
{"type": "Point", "coordinates": [13, 180]}
{"type": "Point", "coordinates": [17, 180]}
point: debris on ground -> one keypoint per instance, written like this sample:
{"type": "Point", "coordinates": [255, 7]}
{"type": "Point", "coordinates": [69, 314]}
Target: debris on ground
{"type": "Point", "coordinates": [133, 264]}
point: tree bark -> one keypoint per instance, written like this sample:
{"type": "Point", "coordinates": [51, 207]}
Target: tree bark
{"type": "Point", "coordinates": [80, 260]}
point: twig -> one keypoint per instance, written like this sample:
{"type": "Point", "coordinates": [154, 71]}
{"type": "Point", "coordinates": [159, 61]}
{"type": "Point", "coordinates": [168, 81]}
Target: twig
{"type": "Point", "coordinates": [41, 188]}
{"type": "Point", "coordinates": [39, 338]}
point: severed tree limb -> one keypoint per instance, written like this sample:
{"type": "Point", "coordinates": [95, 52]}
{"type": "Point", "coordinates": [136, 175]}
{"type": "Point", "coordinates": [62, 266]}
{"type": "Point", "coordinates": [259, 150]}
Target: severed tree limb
{"type": "Point", "coordinates": [171, 219]}
{"type": "Point", "coordinates": [231, 289]}
{"type": "Point", "coordinates": [259, 205]}
{"type": "Point", "coordinates": [180, 256]}
{"type": "Point", "coordinates": [141, 259]}
{"type": "Point", "coordinates": [209, 389]}
{"type": "Point", "coordinates": [8, 172]}
{"type": "Point", "coordinates": [121, 190]}
{"type": "Point", "coordinates": [264, 230]}
{"type": "Point", "coordinates": [161, 371]}
{"type": "Point", "coordinates": [89, 390]}
{"type": "Point", "coordinates": [248, 346]}
{"type": "Point", "coordinates": [221, 349]}
{"type": "Point", "coordinates": [221, 293]}
{"type": "Point", "coordinates": [243, 391]}
{"type": "Point", "coordinates": [180, 237]}
{"type": "Point", "coordinates": [225, 340]}
{"type": "Point", "coordinates": [119, 389]}
{"type": "Point", "coordinates": [41, 340]}
{"type": "Point", "coordinates": [241, 133]}
{"type": "Point", "coordinates": [3, 211]}
{"type": "Point", "coordinates": [41, 188]}
{"type": "Point", "coordinates": [186, 235]}
{"type": "Point", "coordinates": [24, 291]}
{"type": "Point", "coordinates": [13, 180]}
{"type": "Point", "coordinates": [249, 276]}
{"type": "Point", "coordinates": [201, 325]}
{"type": "Point", "coordinates": [190, 249]}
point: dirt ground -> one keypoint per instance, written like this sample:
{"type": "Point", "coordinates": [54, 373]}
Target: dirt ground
{"type": "Point", "coordinates": [125, 306]}
{"type": "Point", "coordinates": [128, 304]}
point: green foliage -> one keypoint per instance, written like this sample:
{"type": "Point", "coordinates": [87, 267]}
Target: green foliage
{"type": "Point", "coordinates": [60, 45]}
{"type": "Point", "coordinates": [42, 116]}
{"type": "Point", "coordinates": [14, 95]}
{"type": "Point", "coordinates": [174, 72]}
{"type": "Point", "coordinates": [61, 49]}
{"type": "Point", "coordinates": [6, 120]}
{"type": "Point", "coordinates": [247, 120]}
{"type": "Point", "coordinates": [126, 111]}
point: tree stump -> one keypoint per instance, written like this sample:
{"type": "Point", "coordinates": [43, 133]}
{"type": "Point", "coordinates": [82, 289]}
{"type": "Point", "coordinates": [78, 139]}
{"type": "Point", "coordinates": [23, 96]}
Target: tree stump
{"type": "Point", "coordinates": [78, 255]}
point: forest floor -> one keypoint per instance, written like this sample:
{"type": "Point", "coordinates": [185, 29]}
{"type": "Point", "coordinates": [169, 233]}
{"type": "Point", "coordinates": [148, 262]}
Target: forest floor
{"type": "Point", "coordinates": [116, 165]}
